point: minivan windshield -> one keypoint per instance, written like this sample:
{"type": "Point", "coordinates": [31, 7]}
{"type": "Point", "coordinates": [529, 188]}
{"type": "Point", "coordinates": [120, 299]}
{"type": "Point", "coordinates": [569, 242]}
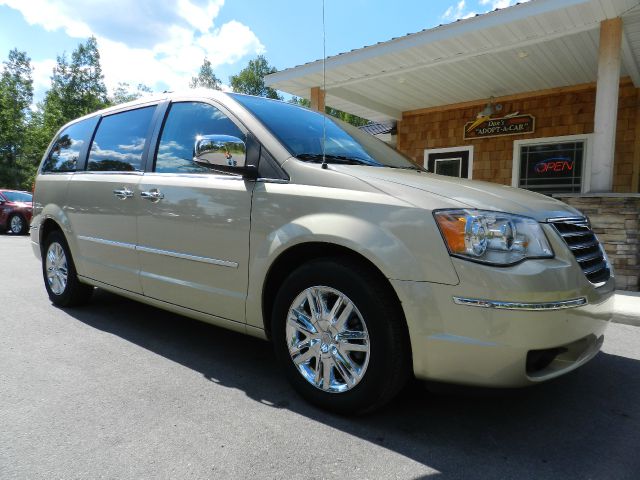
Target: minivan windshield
{"type": "Point", "coordinates": [302, 131]}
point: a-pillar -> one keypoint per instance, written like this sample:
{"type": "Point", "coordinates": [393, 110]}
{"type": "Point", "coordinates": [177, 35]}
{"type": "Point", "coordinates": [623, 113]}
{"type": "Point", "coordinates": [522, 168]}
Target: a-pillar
{"type": "Point", "coordinates": [605, 120]}
{"type": "Point", "coordinates": [317, 99]}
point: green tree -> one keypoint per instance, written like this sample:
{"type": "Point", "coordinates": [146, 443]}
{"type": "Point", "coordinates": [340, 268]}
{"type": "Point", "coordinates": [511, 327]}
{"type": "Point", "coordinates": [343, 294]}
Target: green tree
{"type": "Point", "coordinates": [77, 86]}
{"type": "Point", "coordinates": [205, 78]}
{"type": "Point", "coordinates": [303, 102]}
{"type": "Point", "coordinates": [125, 93]}
{"type": "Point", "coordinates": [250, 80]}
{"type": "Point", "coordinates": [16, 95]}
{"type": "Point", "coordinates": [334, 112]}
{"type": "Point", "coordinates": [354, 120]}
{"type": "Point", "coordinates": [77, 89]}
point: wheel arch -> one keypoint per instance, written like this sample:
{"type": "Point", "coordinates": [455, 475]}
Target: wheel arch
{"type": "Point", "coordinates": [49, 225]}
{"type": "Point", "coordinates": [301, 253]}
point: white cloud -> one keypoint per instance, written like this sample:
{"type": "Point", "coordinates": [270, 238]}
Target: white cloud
{"type": "Point", "coordinates": [51, 15]}
{"type": "Point", "coordinates": [500, 3]}
{"type": "Point", "coordinates": [454, 12]}
{"type": "Point", "coordinates": [157, 42]}
{"type": "Point", "coordinates": [459, 9]}
{"type": "Point", "coordinates": [42, 71]}
{"type": "Point", "coordinates": [200, 17]}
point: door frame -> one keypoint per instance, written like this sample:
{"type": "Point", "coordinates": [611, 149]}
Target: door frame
{"type": "Point", "coordinates": [461, 148]}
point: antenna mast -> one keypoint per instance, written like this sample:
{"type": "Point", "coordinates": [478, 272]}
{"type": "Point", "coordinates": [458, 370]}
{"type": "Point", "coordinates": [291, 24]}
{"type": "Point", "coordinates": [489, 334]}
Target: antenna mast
{"type": "Point", "coordinates": [324, 84]}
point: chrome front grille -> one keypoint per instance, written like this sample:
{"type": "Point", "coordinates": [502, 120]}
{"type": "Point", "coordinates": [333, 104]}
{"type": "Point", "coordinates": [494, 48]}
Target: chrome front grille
{"type": "Point", "coordinates": [584, 245]}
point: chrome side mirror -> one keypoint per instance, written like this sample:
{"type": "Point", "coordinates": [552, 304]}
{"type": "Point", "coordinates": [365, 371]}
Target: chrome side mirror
{"type": "Point", "coordinates": [220, 152]}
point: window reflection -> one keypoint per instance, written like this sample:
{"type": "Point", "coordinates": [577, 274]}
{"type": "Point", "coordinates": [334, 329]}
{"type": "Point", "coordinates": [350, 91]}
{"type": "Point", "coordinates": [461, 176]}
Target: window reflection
{"type": "Point", "coordinates": [66, 150]}
{"type": "Point", "coordinates": [186, 121]}
{"type": "Point", "coordinates": [119, 142]}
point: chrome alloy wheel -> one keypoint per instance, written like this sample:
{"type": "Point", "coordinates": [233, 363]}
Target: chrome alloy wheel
{"type": "Point", "coordinates": [327, 339]}
{"type": "Point", "coordinates": [57, 270]}
{"type": "Point", "coordinates": [16, 224]}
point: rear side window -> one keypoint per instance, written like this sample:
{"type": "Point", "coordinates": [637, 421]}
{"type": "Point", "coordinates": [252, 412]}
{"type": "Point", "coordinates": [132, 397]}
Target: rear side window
{"type": "Point", "coordinates": [185, 122]}
{"type": "Point", "coordinates": [71, 143]}
{"type": "Point", "coordinates": [120, 140]}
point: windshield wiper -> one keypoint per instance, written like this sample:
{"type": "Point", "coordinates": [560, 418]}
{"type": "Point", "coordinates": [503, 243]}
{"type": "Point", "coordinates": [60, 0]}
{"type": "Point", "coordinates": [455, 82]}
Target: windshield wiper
{"type": "Point", "coordinates": [344, 159]}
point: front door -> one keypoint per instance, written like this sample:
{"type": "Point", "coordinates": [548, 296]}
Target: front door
{"type": "Point", "coordinates": [193, 226]}
{"type": "Point", "coordinates": [452, 162]}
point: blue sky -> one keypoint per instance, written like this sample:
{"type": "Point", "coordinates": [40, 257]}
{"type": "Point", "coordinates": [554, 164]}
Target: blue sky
{"type": "Point", "coordinates": [162, 42]}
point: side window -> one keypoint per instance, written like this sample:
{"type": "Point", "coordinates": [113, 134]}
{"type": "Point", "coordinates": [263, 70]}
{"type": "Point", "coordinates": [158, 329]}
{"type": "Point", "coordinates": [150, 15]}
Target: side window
{"type": "Point", "coordinates": [119, 141]}
{"type": "Point", "coordinates": [66, 151]}
{"type": "Point", "coordinates": [186, 121]}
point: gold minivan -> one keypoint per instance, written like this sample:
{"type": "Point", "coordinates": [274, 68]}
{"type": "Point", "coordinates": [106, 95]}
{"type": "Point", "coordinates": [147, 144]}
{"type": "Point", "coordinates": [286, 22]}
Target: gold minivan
{"type": "Point", "coordinates": [362, 268]}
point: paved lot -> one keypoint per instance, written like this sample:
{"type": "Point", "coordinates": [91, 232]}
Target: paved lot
{"type": "Point", "coordinates": [121, 390]}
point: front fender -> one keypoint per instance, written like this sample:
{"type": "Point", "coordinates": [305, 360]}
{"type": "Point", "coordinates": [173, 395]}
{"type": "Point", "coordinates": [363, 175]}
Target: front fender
{"type": "Point", "coordinates": [400, 239]}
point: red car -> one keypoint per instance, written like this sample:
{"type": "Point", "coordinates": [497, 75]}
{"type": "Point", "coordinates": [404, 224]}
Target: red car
{"type": "Point", "coordinates": [16, 209]}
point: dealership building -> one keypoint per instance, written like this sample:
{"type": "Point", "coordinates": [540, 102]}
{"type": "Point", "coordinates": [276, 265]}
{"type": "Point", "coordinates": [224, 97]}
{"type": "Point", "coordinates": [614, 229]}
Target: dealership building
{"type": "Point", "coordinates": [542, 95]}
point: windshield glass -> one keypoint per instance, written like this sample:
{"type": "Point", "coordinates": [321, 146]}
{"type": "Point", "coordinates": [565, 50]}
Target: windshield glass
{"type": "Point", "coordinates": [18, 196]}
{"type": "Point", "coordinates": [301, 131]}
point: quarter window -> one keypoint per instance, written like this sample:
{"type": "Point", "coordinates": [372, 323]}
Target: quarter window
{"type": "Point", "coordinates": [120, 140]}
{"type": "Point", "coordinates": [72, 141]}
{"type": "Point", "coordinates": [186, 121]}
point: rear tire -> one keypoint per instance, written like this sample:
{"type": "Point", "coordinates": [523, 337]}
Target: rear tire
{"type": "Point", "coordinates": [59, 273]}
{"type": "Point", "coordinates": [340, 336]}
{"type": "Point", "coordinates": [18, 225]}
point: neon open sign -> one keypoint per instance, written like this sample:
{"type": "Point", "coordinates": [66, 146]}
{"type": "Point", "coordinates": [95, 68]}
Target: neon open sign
{"type": "Point", "coordinates": [555, 164]}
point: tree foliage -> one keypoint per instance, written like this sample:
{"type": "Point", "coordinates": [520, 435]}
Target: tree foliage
{"type": "Point", "coordinates": [354, 120]}
{"type": "Point", "coordinates": [205, 78]}
{"type": "Point", "coordinates": [124, 93]}
{"type": "Point", "coordinates": [77, 86]}
{"type": "Point", "coordinates": [16, 95]}
{"type": "Point", "coordinates": [250, 80]}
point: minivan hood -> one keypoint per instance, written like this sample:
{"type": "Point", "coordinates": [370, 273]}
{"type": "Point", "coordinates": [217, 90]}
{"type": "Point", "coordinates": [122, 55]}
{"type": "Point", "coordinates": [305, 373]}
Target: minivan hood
{"type": "Point", "coordinates": [406, 185]}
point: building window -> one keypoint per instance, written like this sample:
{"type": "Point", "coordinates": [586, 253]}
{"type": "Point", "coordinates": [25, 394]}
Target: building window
{"type": "Point", "coordinates": [452, 161]}
{"type": "Point", "coordinates": [551, 165]}
{"type": "Point", "coordinates": [451, 167]}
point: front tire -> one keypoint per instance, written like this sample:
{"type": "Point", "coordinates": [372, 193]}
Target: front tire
{"type": "Point", "coordinates": [59, 272]}
{"type": "Point", "coordinates": [18, 225]}
{"type": "Point", "coordinates": [340, 336]}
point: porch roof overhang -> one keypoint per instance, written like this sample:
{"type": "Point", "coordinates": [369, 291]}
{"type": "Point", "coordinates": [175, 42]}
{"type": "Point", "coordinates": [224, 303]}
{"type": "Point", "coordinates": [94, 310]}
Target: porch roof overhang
{"type": "Point", "coordinates": [538, 45]}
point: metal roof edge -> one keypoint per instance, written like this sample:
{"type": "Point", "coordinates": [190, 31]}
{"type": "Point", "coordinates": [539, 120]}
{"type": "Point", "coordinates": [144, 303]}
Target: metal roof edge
{"type": "Point", "coordinates": [510, 14]}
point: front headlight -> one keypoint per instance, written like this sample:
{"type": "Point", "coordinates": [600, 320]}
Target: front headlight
{"type": "Point", "coordinates": [489, 237]}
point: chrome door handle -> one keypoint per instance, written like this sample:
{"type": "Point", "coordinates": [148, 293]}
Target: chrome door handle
{"type": "Point", "coordinates": [153, 195]}
{"type": "Point", "coordinates": [123, 194]}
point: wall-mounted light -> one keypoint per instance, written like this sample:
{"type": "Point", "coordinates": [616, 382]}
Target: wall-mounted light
{"type": "Point", "coordinates": [489, 109]}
